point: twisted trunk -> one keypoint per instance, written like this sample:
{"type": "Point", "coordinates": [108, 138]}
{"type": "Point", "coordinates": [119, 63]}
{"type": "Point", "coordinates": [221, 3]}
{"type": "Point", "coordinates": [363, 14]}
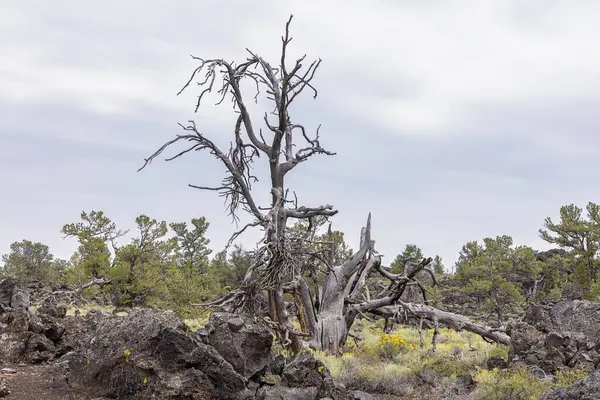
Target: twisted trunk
{"type": "Point", "coordinates": [343, 298]}
{"type": "Point", "coordinates": [286, 144]}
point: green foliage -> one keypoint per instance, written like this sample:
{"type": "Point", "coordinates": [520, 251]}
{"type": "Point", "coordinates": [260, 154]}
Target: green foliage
{"type": "Point", "coordinates": [94, 233]}
{"type": "Point", "coordinates": [568, 377]}
{"type": "Point", "coordinates": [192, 244]}
{"type": "Point", "coordinates": [184, 288]}
{"type": "Point", "coordinates": [438, 266]}
{"type": "Point", "coordinates": [339, 248]}
{"type": "Point", "coordinates": [447, 366]}
{"type": "Point", "coordinates": [140, 267]}
{"type": "Point", "coordinates": [94, 224]}
{"type": "Point", "coordinates": [580, 235]}
{"type": "Point", "coordinates": [491, 272]}
{"type": "Point", "coordinates": [434, 297]}
{"type": "Point", "coordinates": [323, 248]}
{"type": "Point", "coordinates": [518, 383]}
{"type": "Point", "coordinates": [332, 243]}
{"type": "Point", "coordinates": [390, 379]}
{"type": "Point", "coordinates": [390, 346]}
{"type": "Point", "coordinates": [594, 292]}
{"type": "Point", "coordinates": [221, 269]}
{"type": "Point", "coordinates": [152, 269]}
{"type": "Point", "coordinates": [554, 294]}
{"type": "Point", "coordinates": [394, 364]}
{"type": "Point", "coordinates": [28, 261]}
{"type": "Point", "coordinates": [126, 354]}
{"type": "Point", "coordinates": [498, 351]}
{"type": "Point", "coordinates": [230, 272]}
{"type": "Point", "coordinates": [411, 253]}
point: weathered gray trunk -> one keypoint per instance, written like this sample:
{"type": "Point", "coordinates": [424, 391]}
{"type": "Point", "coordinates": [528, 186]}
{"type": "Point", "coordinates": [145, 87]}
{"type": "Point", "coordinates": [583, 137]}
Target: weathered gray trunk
{"type": "Point", "coordinates": [455, 321]}
{"type": "Point", "coordinates": [343, 298]}
{"type": "Point", "coordinates": [333, 319]}
{"type": "Point", "coordinates": [331, 329]}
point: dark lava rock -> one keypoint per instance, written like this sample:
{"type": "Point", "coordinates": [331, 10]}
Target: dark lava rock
{"type": "Point", "coordinates": [148, 355]}
{"type": "Point", "coordinates": [245, 344]}
{"type": "Point", "coordinates": [587, 389]}
{"type": "Point", "coordinates": [4, 389]}
{"type": "Point", "coordinates": [7, 288]}
{"type": "Point", "coordinates": [554, 336]}
{"type": "Point", "coordinates": [497, 362]}
{"type": "Point", "coordinates": [282, 392]}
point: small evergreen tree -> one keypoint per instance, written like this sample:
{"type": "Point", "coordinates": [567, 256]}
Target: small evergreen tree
{"type": "Point", "coordinates": [580, 236]}
{"type": "Point", "coordinates": [28, 261]}
{"type": "Point", "coordinates": [490, 273]}
{"type": "Point", "coordinates": [411, 253]}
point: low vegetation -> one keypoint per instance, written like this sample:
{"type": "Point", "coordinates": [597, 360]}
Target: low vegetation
{"type": "Point", "coordinates": [494, 278]}
{"type": "Point", "coordinates": [303, 278]}
{"type": "Point", "coordinates": [395, 364]}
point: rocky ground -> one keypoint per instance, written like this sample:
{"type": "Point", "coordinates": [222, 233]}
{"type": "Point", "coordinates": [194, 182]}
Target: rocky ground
{"type": "Point", "coordinates": [561, 335]}
{"type": "Point", "coordinates": [29, 382]}
{"type": "Point", "coordinates": [587, 389]}
{"type": "Point", "coordinates": [150, 354]}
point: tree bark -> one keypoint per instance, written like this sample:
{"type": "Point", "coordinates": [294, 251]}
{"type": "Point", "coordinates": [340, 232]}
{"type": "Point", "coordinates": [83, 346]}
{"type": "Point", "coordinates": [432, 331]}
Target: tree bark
{"type": "Point", "coordinates": [454, 321]}
{"type": "Point", "coordinates": [279, 263]}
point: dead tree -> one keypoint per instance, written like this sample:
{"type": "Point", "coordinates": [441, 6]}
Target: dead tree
{"type": "Point", "coordinates": [282, 149]}
{"type": "Point", "coordinates": [344, 295]}
{"type": "Point", "coordinates": [284, 258]}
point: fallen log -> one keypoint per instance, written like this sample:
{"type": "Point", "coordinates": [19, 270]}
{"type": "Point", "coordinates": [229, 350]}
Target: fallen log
{"type": "Point", "coordinates": [455, 321]}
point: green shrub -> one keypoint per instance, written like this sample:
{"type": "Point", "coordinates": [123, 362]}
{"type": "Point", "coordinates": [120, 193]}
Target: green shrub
{"type": "Point", "coordinates": [567, 377]}
{"type": "Point", "coordinates": [498, 351]}
{"type": "Point", "coordinates": [396, 365]}
{"type": "Point", "coordinates": [594, 293]}
{"type": "Point", "coordinates": [555, 294]}
{"type": "Point", "coordinates": [447, 366]}
{"type": "Point", "coordinates": [514, 384]}
{"type": "Point", "coordinates": [389, 347]}
{"type": "Point", "coordinates": [358, 374]}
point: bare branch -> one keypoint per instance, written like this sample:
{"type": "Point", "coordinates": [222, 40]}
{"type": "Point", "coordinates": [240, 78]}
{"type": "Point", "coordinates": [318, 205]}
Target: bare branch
{"type": "Point", "coordinates": [304, 81]}
{"type": "Point", "coordinates": [304, 153]}
{"type": "Point", "coordinates": [96, 281]}
{"type": "Point", "coordinates": [361, 276]}
{"type": "Point", "coordinates": [231, 77]}
{"type": "Point", "coordinates": [237, 185]}
{"type": "Point", "coordinates": [161, 149]}
{"type": "Point", "coordinates": [455, 321]}
{"type": "Point", "coordinates": [432, 275]}
{"type": "Point", "coordinates": [348, 268]}
{"type": "Point", "coordinates": [238, 233]}
{"type": "Point", "coordinates": [308, 212]}
{"type": "Point", "coordinates": [392, 295]}
{"type": "Point", "coordinates": [220, 188]}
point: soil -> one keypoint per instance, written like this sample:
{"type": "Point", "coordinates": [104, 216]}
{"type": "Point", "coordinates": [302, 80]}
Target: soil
{"type": "Point", "coordinates": [33, 382]}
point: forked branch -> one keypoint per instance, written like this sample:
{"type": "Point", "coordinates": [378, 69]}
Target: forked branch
{"type": "Point", "coordinates": [236, 186]}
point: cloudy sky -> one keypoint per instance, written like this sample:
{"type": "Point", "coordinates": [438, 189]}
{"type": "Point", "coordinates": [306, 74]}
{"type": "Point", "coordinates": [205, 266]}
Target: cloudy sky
{"type": "Point", "coordinates": [452, 120]}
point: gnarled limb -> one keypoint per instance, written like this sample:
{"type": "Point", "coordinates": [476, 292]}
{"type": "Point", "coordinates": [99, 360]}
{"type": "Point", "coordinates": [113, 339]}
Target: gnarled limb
{"type": "Point", "coordinates": [342, 299]}
{"type": "Point", "coordinates": [96, 281]}
{"type": "Point", "coordinates": [77, 292]}
{"type": "Point", "coordinates": [279, 258]}
{"type": "Point", "coordinates": [454, 321]}
{"type": "Point", "coordinates": [282, 257]}
{"type": "Point", "coordinates": [309, 212]}
{"type": "Point", "coordinates": [236, 187]}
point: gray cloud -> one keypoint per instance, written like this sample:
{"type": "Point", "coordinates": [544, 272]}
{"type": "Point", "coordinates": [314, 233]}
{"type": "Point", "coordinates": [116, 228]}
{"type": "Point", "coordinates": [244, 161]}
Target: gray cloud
{"type": "Point", "coordinates": [452, 121]}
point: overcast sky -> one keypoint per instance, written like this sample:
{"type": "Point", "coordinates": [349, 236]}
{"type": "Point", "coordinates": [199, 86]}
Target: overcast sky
{"type": "Point", "coordinates": [452, 120]}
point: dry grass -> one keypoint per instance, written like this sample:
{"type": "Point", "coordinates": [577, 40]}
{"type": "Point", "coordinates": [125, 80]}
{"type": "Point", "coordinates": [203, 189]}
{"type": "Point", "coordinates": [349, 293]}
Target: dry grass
{"type": "Point", "coordinates": [396, 365]}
